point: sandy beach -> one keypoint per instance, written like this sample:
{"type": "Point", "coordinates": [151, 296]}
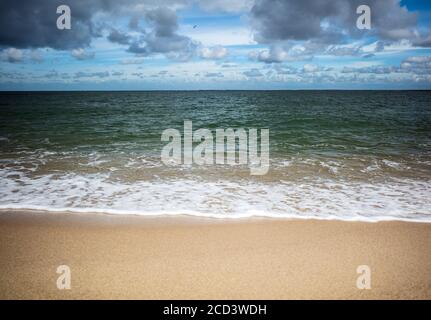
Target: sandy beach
{"type": "Point", "coordinates": [131, 257]}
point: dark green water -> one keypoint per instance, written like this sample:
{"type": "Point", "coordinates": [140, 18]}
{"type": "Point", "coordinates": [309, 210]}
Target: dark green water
{"type": "Point", "coordinates": [342, 154]}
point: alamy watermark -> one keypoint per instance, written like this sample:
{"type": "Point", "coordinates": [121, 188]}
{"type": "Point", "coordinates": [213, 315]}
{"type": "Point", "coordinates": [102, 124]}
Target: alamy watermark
{"type": "Point", "coordinates": [231, 146]}
{"type": "Point", "coordinates": [363, 282]}
{"type": "Point", "coordinates": [64, 21]}
{"type": "Point", "coordinates": [64, 281]}
{"type": "Point", "coordinates": [364, 20]}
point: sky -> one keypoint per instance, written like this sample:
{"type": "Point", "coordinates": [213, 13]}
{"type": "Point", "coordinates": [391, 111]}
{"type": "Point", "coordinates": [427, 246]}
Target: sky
{"type": "Point", "coordinates": [217, 44]}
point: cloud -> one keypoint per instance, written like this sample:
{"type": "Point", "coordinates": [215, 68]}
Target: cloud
{"type": "Point", "coordinates": [12, 55]}
{"type": "Point", "coordinates": [214, 75]}
{"type": "Point", "coordinates": [82, 54]}
{"type": "Point", "coordinates": [368, 55]}
{"type": "Point", "coordinates": [299, 30]}
{"type": "Point", "coordinates": [226, 5]}
{"type": "Point", "coordinates": [328, 20]}
{"type": "Point", "coordinates": [286, 70]}
{"type": "Point", "coordinates": [162, 37]}
{"type": "Point", "coordinates": [418, 59]}
{"type": "Point", "coordinates": [216, 52]}
{"type": "Point", "coordinates": [51, 74]}
{"type": "Point", "coordinates": [372, 69]}
{"type": "Point", "coordinates": [116, 36]}
{"type": "Point", "coordinates": [423, 42]}
{"type": "Point", "coordinates": [253, 73]}
{"type": "Point", "coordinates": [163, 20]}
{"type": "Point", "coordinates": [310, 68]}
{"type": "Point", "coordinates": [34, 26]}
{"type": "Point", "coordinates": [36, 56]}
{"type": "Point", "coordinates": [343, 50]}
{"type": "Point", "coordinates": [32, 23]}
{"type": "Point", "coordinates": [274, 55]}
{"type": "Point", "coordinates": [417, 64]}
{"type": "Point", "coordinates": [411, 69]}
{"type": "Point", "coordinates": [414, 65]}
{"type": "Point", "coordinates": [229, 65]}
{"type": "Point", "coordinates": [132, 61]}
{"type": "Point", "coordinates": [99, 74]}
{"type": "Point", "coordinates": [287, 52]}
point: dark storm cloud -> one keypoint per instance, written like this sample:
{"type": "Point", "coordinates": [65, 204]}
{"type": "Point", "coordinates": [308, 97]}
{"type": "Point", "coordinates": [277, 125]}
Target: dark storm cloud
{"type": "Point", "coordinates": [162, 37]}
{"type": "Point", "coordinates": [118, 37]}
{"type": "Point", "coordinates": [293, 20]}
{"type": "Point", "coordinates": [423, 42]}
{"type": "Point", "coordinates": [328, 20]}
{"type": "Point", "coordinates": [32, 23]}
{"type": "Point", "coordinates": [163, 20]}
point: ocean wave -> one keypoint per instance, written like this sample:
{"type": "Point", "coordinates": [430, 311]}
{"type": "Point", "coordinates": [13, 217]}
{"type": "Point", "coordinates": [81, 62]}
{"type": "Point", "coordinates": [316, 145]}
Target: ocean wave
{"type": "Point", "coordinates": [397, 199]}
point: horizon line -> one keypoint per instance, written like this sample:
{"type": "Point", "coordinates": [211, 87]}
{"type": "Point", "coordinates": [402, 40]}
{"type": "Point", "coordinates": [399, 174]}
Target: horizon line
{"type": "Point", "coordinates": [197, 90]}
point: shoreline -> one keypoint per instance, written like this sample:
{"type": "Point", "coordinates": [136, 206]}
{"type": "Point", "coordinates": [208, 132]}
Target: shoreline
{"type": "Point", "coordinates": [183, 257]}
{"type": "Point", "coordinates": [196, 215]}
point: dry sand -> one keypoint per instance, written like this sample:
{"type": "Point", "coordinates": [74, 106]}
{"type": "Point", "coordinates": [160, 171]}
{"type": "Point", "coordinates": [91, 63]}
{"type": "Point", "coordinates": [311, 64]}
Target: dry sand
{"type": "Point", "coordinates": [191, 258]}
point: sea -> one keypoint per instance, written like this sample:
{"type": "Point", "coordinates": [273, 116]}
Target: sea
{"type": "Point", "coordinates": [345, 155]}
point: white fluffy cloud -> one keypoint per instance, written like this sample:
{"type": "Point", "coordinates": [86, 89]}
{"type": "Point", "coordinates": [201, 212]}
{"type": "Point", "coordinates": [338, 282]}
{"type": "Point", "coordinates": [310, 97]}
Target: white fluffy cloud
{"type": "Point", "coordinates": [12, 55]}
{"type": "Point", "coordinates": [216, 52]}
{"type": "Point", "coordinates": [82, 54]}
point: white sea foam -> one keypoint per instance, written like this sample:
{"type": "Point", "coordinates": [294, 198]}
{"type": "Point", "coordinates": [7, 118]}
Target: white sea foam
{"type": "Point", "coordinates": [395, 199]}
